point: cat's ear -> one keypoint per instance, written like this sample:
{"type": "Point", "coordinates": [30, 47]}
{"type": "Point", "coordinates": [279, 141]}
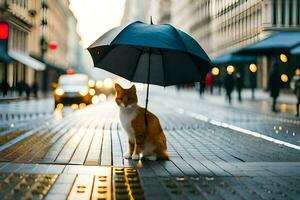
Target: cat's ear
{"type": "Point", "coordinates": [118, 87]}
{"type": "Point", "coordinates": [133, 88]}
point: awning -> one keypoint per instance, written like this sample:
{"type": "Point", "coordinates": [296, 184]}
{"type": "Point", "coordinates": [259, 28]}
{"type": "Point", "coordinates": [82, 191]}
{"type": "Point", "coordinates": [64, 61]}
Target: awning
{"type": "Point", "coordinates": [4, 57]}
{"type": "Point", "coordinates": [231, 58]}
{"type": "Point", "coordinates": [277, 43]}
{"type": "Point", "coordinates": [296, 50]}
{"type": "Point", "coordinates": [27, 60]}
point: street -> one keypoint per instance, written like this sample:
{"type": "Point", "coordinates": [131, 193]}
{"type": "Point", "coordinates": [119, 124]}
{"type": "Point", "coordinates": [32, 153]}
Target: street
{"type": "Point", "coordinates": [217, 151]}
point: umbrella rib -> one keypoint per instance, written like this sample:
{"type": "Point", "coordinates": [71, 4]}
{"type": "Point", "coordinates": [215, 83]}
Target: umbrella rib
{"type": "Point", "coordinates": [163, 66]}
{"type": "Point", "coordinates": [136, 65]}
{"type": "Point", "coordinates": [179, 38]}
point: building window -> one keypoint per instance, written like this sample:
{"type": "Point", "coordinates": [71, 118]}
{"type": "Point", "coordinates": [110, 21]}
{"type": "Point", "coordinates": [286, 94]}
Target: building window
{"type": "Point", "coordinates": [298, 12]}
{"type": "Point", "coordinates": [291, 12]}
{"type": "Point", "coordinates": [274, 13]}
{"type": "Point", "coordinates": [283, 12]}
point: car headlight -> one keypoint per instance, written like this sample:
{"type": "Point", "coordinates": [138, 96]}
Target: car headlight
{"type": "Point", "coordinates": [92, 92]}
{"type": "Point", "coordinates": [59, 91]}
{"type": "Point", "coordinates": [84, 92]}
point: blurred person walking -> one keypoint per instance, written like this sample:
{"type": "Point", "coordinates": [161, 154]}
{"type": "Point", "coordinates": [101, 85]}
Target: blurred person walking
{"type": "Point", "coordinates": [201, 87]}
{"type": "Point", "coordinates": [27, 90]}
{"type": "Point", "coordinates": [4, 87]}
{"type": "Point", "coordinates": [20, 87]}
{"type": "Point", "coordinates": [35, 89]}
{"type": "Point", "coordinates": [274, 86]}
{"type": "Point", "coordinates": [252, 85]}
{"type": "Point", "coordinates": [239, 84]}
{"type": "Point", "coordinates": [228, 85]}
{"type": "Point", "coordinates": [209, 82]}
{"type": "Point", "coordinates": [296, 88]}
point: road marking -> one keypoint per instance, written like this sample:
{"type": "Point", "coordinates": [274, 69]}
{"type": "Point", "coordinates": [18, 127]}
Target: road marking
{"type": "Point", "coordinates": [236, 128]}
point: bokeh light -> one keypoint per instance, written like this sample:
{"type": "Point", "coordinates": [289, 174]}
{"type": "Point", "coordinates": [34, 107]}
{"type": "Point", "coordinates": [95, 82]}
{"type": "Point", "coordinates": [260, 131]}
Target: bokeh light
{"type": "Point", "coordinates": [230, 69]}
{"type": "Point", "coordinates": [284, 78]}
{"type": "Point", "coordinates": [215, 71]}
{"type": "Point", "coordinates": [253, 68]}
{"type": "Point", "coordinates": [283, 58]}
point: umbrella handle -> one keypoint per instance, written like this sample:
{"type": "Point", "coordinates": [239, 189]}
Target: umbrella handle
{"type": "Point", "coordinates": [147, 94]}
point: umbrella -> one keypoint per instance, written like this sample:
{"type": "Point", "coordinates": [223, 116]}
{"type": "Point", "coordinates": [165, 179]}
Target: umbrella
{"type": "Point", "coordinates": [152, 54]}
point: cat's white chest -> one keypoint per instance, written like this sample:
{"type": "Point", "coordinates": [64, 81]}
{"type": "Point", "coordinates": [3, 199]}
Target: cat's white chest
{"type": "Point", "coordinates": [127, 115]}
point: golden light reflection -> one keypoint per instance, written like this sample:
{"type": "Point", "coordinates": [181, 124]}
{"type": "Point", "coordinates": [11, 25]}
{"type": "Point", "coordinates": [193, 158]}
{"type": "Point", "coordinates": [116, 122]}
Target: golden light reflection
{"type": "Point", "coordinates": [92, 92]}
{"type": "Point", "coordinates": [283, 108]}
{"type": "Point", "coordinates": [297, 72]}
{"type": "Point", "coordinates": [253, 68]}
{"type": "Point", "coordinates": [82, 105]}
{"type": "Point", "coordinates": [215, 71]}
{"type": "Point", "coordinates": [283, 58]}
{"type": "Point", "coordinates": [284, 78]}
{"type": "Point", "coordinates": [59, 106]}
{"type": "Point", "coordinates": [99, 84]}
{"type": "Point", "coordinates": [74, 106]}
{"type": "Point", "coordinates": [102, 97]}
{"type": "Point", "coordinates": [91, 83]}
{"type": "Point", "coordinates": [95, 99]}
{"type": "Point", "coordinates": [108, 83]}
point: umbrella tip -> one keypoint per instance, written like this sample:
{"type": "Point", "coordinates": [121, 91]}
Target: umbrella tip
{"type": "Point", "coordinates": [151, 22]}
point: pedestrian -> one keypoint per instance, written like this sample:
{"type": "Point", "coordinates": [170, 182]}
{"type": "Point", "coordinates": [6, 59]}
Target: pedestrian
{"type": "Point", "coordinates": [209, 82]}
{"type": "Point", "coordinates": [201, 86]}
{"type": "Point", "coordinates": [297, 93]}
{"type": "Point", "coordinates": [27, 90]}
{"type": "Point", "coordinates": [229, 84]}
{"type": "Point", "coordinates": [4, 87]}
{"type": "Point", "coordinates": [252, 85]}
{"type": "Point", "coordinates": [35, 89]}
{"type": "Point", "coordinates": [274, 85]}
{"type": "Point", "coordinates": [20, 88]}
{"type": "Point", "coordinates": [239, 84]}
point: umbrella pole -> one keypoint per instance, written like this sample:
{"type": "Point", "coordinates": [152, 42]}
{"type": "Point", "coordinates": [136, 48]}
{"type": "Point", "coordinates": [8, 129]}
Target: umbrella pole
{"type": "Point", "coordinates": [147, 94]}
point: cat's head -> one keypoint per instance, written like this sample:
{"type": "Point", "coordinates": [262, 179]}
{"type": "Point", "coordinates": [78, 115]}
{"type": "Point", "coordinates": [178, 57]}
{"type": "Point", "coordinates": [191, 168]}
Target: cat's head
{"type": "Point", "coordinates": [125, 97]}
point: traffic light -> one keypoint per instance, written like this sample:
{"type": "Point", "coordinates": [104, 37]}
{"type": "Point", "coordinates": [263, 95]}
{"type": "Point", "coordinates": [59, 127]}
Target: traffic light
{"type": "Point", "coordinates": [4, 34]}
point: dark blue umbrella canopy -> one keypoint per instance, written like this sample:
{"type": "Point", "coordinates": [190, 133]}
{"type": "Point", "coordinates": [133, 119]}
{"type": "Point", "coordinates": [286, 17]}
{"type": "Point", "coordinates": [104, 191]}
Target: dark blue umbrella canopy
{"type": "Point", "coordinates": [147, 53]}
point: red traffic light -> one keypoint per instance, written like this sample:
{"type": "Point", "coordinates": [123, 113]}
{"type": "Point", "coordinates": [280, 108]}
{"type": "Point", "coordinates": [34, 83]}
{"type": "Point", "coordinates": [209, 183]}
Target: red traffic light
{"type": "Point", "coordinates": [52, 45]}
{"type": "Point", "coordinates": [4, 30]}
{"type": "Point", "coordinates": [70, 71]}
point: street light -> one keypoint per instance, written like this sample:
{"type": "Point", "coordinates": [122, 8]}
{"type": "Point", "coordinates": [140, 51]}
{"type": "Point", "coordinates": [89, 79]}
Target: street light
{"type": "Point", "coordinates": [284, 78]}
{"type": "Point", "coordinates": [215, 71]}
{"type": "Point", "coordinates": [253, 68]}
{"type": "Point", "coordinates": [297, 72]}
{"type": "Point", "coordinates": [283, 58]}
{"type": "Point", "coordinates": [230, 69]}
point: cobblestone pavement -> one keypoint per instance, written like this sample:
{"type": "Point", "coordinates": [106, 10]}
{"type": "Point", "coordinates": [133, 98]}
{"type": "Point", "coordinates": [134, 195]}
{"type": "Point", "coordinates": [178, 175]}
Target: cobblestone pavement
{"type": "Point", "coordinates": [79, 155]}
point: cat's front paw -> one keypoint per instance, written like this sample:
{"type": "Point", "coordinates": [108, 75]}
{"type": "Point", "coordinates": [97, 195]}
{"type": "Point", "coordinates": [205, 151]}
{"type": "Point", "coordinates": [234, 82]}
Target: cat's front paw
{"type": "Point", "coordinates": [136, 157]}
{"type": "Point", "coordinates": [127, 155]}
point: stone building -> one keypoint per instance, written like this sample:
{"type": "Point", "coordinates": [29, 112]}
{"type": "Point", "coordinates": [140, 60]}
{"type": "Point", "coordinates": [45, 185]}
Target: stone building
{"type": "Point", "coordinates": [225, 26]}
{"type": "Point", "coordinates": [39, 32]}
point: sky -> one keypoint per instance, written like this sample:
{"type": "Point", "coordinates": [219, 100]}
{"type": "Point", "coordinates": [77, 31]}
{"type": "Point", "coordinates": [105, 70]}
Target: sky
{"type": "Point", "coordinates": [95, 17]}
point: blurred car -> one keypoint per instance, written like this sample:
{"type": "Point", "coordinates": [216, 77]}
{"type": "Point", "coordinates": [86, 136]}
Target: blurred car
{"type": "Point", "coordinates": [73, 89]}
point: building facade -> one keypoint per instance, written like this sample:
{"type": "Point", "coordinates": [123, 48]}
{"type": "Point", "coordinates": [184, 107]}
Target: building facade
{"type": "Point", "coordinates": [224, 26]}
{"type": "Point", "coordinates": [39, 41]}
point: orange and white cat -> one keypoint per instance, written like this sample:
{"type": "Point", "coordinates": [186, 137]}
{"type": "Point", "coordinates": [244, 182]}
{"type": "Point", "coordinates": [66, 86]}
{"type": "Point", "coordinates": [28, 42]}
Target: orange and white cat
{"type": "Point", "coordinates": [143, 141]}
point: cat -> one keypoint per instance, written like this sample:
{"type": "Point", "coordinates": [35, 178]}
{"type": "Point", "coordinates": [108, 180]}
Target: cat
{"type": "Point", "coordinates": [143, 141]}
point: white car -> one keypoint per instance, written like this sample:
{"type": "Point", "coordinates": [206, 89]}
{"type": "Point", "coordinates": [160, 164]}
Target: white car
{"type": "Point", "coordinates": [73, 89]}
